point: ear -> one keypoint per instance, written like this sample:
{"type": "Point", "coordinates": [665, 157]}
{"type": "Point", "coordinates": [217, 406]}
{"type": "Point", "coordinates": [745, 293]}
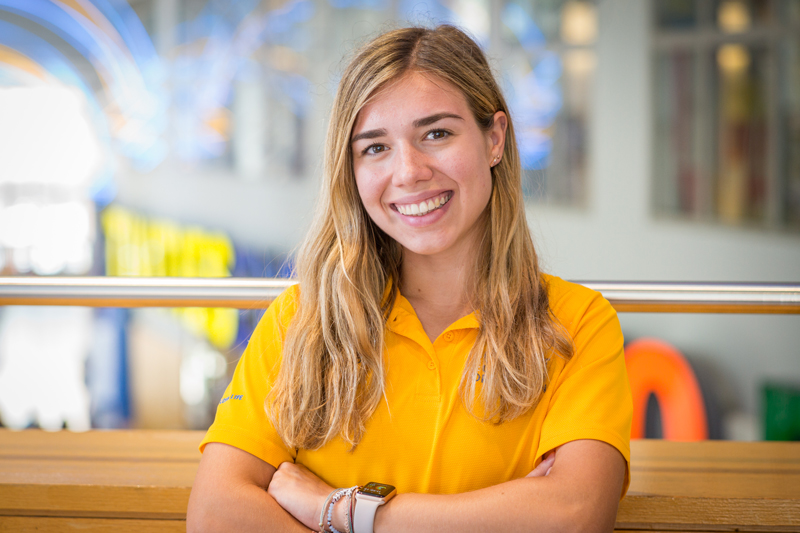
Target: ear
{"type": "Point", "coordinates": [496, 136]}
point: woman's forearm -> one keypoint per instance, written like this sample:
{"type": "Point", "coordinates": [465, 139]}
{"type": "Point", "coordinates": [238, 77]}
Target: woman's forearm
{"type": "Point", "coordinates": [580, 494]}
{"type": "Point", "coordinates": [520, 505]}
{"type": "Point", "coordinates": [247, 508]}
{"type": "Point", "coordinates": [230, 494]}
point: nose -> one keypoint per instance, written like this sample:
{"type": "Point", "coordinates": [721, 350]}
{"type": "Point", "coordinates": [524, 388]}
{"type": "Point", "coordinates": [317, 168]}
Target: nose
{"type": "Point", "coordinates": [411, 166]}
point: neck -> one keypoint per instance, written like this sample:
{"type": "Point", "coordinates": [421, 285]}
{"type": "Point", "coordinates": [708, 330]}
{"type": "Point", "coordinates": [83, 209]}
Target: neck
{"type": "Point", "coordinates": [437, 288]}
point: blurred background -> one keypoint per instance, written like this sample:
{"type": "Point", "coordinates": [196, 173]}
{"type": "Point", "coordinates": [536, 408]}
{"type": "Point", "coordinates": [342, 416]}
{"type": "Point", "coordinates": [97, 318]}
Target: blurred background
{"type": "Point", "coordinates": [660, 141]}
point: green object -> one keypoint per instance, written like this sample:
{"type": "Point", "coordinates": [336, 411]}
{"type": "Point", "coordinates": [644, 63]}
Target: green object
{"type": "Point", "coordinates": [781, 411]}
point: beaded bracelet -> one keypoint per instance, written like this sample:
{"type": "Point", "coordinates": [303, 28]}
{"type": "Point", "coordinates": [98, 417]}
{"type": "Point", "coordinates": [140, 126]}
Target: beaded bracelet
{"type": "Point", "coordinates": [322, 514]}
{"type": "Point", "coordinates": [338, 494]}
{"type": "Point", "coordinates": [336, 497]}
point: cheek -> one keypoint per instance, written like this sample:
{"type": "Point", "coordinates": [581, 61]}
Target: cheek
{"type": "Point", "coordinates": [481, 190]}
{"type": "Point", "coordinates": [476, 176]}
{"type": "Point", "coordinates": [370, 192]}
{"type": "Point", "coordinates": [487, 185]}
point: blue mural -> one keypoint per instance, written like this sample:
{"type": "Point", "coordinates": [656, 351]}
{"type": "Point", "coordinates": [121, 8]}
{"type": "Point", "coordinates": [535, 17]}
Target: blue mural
{"type": "Point", "coordinates": [535, 99]}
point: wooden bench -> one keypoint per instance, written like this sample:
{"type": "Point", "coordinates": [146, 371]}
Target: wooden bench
{"type": "Point", "coordinates": [139, 481]}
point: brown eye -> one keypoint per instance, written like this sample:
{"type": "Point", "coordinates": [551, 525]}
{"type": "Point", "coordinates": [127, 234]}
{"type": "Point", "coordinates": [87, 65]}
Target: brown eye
{"type": "Point", "coordinates": [438, 134]}
{"type": "Point", "coordinates": [374, 149]}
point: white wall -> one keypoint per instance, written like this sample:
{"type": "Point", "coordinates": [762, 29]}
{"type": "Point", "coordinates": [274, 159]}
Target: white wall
{"type": "Point", "coordinates": [271, 215]}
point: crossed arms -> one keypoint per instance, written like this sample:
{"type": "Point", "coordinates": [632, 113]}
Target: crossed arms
{"type": "Point", "coordinates": [576, 488]}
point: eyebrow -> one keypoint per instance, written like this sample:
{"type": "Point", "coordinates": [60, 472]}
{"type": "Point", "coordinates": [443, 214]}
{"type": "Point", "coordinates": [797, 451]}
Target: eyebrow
{"type": "Point", "coordinates": [371, 134]}
{"type": "Point", "coordinates": [419, 123]}
{"type": "Point", "coordinates": [427, 121]}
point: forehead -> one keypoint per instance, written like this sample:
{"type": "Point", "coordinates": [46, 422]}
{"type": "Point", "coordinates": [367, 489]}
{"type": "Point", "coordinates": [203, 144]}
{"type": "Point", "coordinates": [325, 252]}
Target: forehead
{"type": "Point", "coordinates": [414, 95]}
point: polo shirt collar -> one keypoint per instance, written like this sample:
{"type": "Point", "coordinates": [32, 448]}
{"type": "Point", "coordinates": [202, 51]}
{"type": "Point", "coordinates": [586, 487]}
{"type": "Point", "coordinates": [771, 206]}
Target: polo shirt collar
{"type": "Point", "coordinates": [403, 313]}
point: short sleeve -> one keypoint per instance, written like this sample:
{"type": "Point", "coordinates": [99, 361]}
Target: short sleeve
{"type": "Point", "coordinates": [591, 396]}
{"type": "Point", "coordinates": [241, 420]}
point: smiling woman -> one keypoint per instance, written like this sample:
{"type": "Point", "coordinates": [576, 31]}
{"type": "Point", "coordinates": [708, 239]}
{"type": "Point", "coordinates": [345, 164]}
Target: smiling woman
{"type": "Point", "coordinates": [423, 361]}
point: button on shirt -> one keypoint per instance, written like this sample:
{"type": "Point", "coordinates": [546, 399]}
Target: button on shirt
{"type": "Point", "coordinates": [421, 438]}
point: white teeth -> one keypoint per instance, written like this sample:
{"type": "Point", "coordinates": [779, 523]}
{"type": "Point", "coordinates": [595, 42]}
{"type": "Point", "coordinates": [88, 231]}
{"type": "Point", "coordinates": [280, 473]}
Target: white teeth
{"type": "Point", "coordinates": [424, 207]}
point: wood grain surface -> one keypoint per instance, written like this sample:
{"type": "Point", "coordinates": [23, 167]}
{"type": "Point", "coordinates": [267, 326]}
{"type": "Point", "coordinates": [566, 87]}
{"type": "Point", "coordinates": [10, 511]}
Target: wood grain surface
{"type": "Point", "coordinates": [141, 480]}
{"type": "Point", "coordinates": [27, 524]}
{"type": "Point", "coordinates": [108, 474]}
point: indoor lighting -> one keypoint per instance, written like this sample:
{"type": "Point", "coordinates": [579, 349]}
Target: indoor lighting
{"type": "Point", "coordinates": [733, 16]}
{"type": "Point", "coordinates": [733, 59]}
{"type": "Point", "coordinates": [579, 63]}
{"type": "Point", "coordinates": [578, 23]}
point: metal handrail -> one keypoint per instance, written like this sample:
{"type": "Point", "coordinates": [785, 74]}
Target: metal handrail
{"type": "Point", "coordinates": [253, 293]}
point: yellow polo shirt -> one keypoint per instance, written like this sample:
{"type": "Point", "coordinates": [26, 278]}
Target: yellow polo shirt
{"type": "Point", "coordinates": [421, 438]}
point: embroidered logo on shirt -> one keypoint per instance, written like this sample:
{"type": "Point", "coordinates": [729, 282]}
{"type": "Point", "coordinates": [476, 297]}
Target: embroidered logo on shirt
{"type": "Point", "coordinates": [232, 397]}
{"type": "Point", "coordinates": [479, 377]}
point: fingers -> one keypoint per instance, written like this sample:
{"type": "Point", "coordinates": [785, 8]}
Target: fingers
{"type": "Point", "coordinates": [292, 471]}
{"type": "Point", "coordinates": [286, 477]}
{"type": "Point", "coordinates": [299, 492]}
{"type": "Point", "coordinates": [544, 468]}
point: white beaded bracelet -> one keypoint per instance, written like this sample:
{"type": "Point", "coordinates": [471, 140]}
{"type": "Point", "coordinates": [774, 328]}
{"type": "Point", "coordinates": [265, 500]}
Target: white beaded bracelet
{"type": "Point", "coordinates": [322, 514]}
{"type": "Point", "coordinates": [336, 497]}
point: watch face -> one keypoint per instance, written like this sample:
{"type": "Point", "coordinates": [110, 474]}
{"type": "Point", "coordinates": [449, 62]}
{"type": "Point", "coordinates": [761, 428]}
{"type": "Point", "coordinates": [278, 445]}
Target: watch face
{"type": "Point", "coordinates": [379, 490]}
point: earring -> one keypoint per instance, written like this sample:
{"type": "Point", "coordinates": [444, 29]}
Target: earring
{"type": "Point", "coordinates": [495, 160]}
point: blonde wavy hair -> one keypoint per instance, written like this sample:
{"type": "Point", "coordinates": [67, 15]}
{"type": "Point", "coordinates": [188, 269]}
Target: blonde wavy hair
{"type": "Point", "coordinates": [332, 374]}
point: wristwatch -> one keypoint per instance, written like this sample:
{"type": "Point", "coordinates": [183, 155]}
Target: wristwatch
{"type": "Point", "coordinates": [368, 499]}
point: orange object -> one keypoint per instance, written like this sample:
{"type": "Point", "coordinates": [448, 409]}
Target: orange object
{"type": "Point", "coordinates": [656, 367]}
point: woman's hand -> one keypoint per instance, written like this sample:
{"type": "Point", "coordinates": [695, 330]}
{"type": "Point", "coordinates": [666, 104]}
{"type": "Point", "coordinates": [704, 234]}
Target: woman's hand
{"type": "Point", "coordinates": [299, 492]}
{"type": "Point", "coordinates": [543, 468]}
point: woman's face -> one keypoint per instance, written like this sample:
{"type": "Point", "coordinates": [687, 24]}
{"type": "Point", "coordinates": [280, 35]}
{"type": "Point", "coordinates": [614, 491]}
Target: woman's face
{"type": "Point", "coordinates": [423, 165]}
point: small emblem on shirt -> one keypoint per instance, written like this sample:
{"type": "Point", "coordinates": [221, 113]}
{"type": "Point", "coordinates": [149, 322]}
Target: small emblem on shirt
{"type": "Point", "coordinates": [479, 377]}
{"type": "Point", "coordinates": [232, 397]}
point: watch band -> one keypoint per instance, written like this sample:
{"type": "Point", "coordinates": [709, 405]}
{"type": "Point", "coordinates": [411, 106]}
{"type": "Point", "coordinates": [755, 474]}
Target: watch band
{"type": "Point", "coordinates": [364, 516]}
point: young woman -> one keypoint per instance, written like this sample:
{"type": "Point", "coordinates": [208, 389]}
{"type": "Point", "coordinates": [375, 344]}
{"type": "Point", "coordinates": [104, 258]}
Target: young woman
{"type": "Point", "coordinates": [423, 348]}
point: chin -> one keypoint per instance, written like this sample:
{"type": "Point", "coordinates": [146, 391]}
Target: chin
{"type": "Point", "coordinates": [424, 248]}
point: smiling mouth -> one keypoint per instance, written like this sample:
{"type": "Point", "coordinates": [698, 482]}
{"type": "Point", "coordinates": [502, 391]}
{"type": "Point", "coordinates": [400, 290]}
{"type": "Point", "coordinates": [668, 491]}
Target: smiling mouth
{"type": "Point", "coordinates": [424, 207]}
